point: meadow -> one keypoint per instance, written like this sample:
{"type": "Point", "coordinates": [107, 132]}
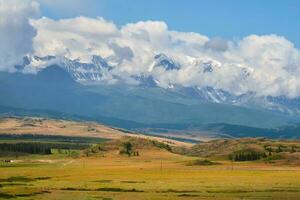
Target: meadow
{"type": "Point", "coordinates": [91, 168]}
{"type": "Point", "coordinates": [155, 174]}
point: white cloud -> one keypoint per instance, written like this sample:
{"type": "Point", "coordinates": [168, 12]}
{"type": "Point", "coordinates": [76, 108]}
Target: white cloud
{"type": "Point", "coordinates": [275, 60]}
{"type": "Point", "coordinates": [16, 33]}
{"type": "Point", "coordinates": [75, 38]}
{"type": "Point", "coordinates": [267, 65]}
{"type": "Point", "coordinates": [217, 44]}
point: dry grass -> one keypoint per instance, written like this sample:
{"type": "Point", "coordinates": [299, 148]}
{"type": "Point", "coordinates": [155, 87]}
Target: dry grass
{"type": "Point", "coordinates": [155, 174]}
{"type": "Point", "coordinates": [223, 147]}
{"type": "Point", "coordinates": [40, 126]}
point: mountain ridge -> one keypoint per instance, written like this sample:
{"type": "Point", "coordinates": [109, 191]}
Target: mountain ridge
{"type": "Point", "coordinates": [98, 70]}
{"type": "Point", "coordinates": [139, 106]}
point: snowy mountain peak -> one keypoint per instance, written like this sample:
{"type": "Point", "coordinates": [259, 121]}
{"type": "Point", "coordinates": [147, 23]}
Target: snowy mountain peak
{"type": "Point", "coordinates": [146, 81]}
{"type": "Point", "coordinates": [206, 65]}
{"type": "Point", "coordinates": [246, 72]}
{"type": "Point", "coordinates": [161, 60]}
{"type": "Point", "coordinates": [100, 62]}
{"type": "Point", "coordinates": [79, 71]}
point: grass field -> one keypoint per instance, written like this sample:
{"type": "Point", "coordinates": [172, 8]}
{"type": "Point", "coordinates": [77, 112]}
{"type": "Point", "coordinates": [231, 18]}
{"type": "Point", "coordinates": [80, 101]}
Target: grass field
{"type": "Point", "coordinates": [155, 174]}
{"type": "Point", "coordinates": [87, 166]}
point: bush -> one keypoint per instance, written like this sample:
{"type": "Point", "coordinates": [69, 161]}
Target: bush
{"type": "Point", "coordinates": [161, 145]}
{"type": "Point", "coordinates": [201, 163]}
{"type": "Point", "coordinates": [126, 148]}
{"type": "Point", "coordinates": [274, 157]}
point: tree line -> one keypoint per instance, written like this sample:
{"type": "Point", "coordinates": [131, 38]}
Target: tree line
{"type": "Point", "coordinates": [37, 148]}
{"type": "Point", "coordinates": [246, 155]}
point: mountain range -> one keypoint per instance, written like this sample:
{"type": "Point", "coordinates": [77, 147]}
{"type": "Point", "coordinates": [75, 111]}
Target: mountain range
{"type": "Point", "coordinates": [79, 89]}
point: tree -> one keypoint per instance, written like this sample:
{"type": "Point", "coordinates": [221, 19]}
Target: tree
{"type": "Point", "coordinates": [126, 148]}
{"type": "Point", "coordinates": [293, 150]}
{"type": "Point", "coordinates": [279, 149]}
{"type": "Point", "coordinates": [87, 152]}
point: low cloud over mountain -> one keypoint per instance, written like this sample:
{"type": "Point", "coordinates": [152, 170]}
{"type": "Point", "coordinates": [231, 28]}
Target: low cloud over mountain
{"type": "Point", "coordinates": [16, 34]}
{"type": "Point", "coordinates": [261, 64]}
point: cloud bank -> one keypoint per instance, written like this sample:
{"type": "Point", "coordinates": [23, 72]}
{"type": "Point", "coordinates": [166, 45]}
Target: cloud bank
{"type": "Point", "coordinates": [265, 64]}
{"type": "Point", "coordinates": [16, 33]}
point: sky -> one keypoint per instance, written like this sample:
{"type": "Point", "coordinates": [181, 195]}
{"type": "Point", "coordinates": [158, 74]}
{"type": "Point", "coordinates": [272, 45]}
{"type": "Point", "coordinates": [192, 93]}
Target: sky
{"type": "Point", "coordinates": [230, 19]}
{"type": "Point", "coordinates": [236, 46]}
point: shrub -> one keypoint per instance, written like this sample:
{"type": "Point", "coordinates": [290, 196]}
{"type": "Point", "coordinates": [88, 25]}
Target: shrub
{"type": "Point", "coordinates": [201, 162]}
{"type": "Point", "coordinates": [274, 157]}
{"type": "Point", "coordinates": [126, 148]}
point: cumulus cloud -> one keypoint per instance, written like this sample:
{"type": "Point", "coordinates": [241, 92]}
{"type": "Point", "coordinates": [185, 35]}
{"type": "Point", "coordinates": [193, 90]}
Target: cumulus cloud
{"type": "Point", "coordinates": [80, 37]}
{"type": "Point", "coordinates": [217, 44]}
{"type": "Point", "coordinates": [265, 65]}
{"type": "Point", "coordinates": [275, 61]}
{"type": "Point", "coordinates": [16, 33]}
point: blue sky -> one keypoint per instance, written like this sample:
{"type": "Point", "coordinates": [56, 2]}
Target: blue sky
{"type": "Point", "coordinates": [230, 19]}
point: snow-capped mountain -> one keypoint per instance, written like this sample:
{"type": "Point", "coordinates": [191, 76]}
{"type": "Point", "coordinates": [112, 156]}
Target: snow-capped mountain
{"type": "Point", "coordinates": [161, 60]}
{"type": "Point", "coordinates": [206, 66]}
{"type": "Point", "coordinates": [86, 72]}
{"type": "Point", "coordinates": [280, 104]}
{"type": "Point", "coordinates": [81, 72]}
{"type": "Point", "coordinates": [208, 94]}
{"type": "Point", "coordinates": [98, 69]}
{"type": "Point", "coordinates": [146, 80]}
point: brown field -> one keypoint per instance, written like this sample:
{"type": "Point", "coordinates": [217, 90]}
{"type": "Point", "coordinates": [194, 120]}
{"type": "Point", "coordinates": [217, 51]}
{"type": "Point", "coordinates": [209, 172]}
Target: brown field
{"type": "Point", "coordinates": [40, 126]}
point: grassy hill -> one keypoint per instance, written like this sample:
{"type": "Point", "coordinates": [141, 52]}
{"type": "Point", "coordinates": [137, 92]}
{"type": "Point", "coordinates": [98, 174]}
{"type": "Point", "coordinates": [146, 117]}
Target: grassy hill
{"type": "Point", "coordinates": [268, 150]}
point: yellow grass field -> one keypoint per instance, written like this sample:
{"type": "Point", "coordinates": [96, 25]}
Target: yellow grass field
{"type": "Point", "coordinates": [155, 174]}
